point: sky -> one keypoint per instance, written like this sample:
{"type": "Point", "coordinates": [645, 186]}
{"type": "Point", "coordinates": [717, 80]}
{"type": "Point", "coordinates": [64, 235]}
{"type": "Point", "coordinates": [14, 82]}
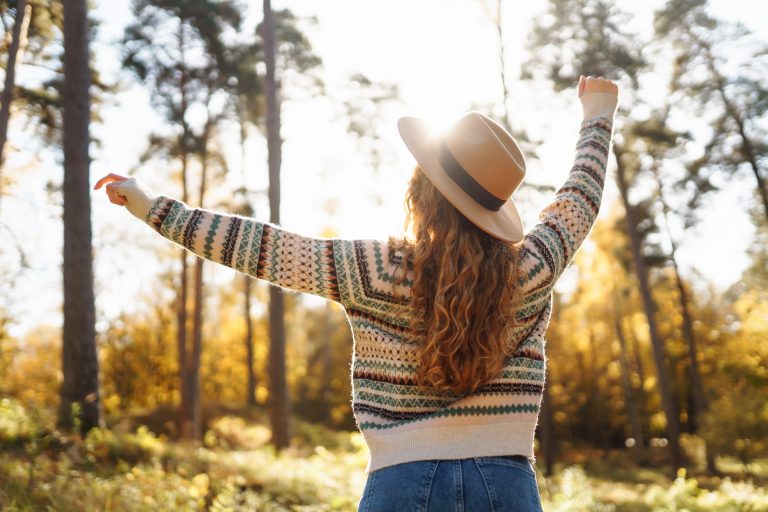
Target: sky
{"type": "Point", "coordinates": [441, 54]}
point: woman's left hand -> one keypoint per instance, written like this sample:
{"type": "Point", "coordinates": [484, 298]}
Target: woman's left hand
{"type": "Point", "coordinates": [113, 182]}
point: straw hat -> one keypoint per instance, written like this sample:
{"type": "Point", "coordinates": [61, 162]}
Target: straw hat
{"type": "Point", "coordinates": [477, 165]}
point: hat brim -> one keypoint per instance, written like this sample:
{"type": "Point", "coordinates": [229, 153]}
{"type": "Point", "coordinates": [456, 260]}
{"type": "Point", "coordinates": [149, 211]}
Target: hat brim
{"type": "Point", "coordinates": [504, 224]}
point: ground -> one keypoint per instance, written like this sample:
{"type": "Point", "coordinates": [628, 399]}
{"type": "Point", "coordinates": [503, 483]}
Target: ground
{"type": "Point", "coordinates": [128, 467]}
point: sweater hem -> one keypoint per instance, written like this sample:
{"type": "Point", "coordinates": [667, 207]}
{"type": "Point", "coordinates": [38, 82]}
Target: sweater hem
{"type": "Point", "coordinates": [450, 442]}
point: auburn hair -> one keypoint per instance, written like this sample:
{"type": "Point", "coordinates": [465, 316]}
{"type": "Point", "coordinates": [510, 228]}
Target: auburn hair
{"type": "Point", "coordinates": [463, 294]}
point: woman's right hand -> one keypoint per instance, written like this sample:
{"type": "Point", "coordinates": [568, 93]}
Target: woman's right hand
{"type": "Point", "coordinates": [598, 95]}
{"type": "Point", "coordinates": [128, 192]}
{"type": "Point", "coordinates": [113, 182]}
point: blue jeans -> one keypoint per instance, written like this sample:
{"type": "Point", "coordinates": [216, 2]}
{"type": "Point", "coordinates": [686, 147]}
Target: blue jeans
{"type": "Point", "coordinates": [479, 484]}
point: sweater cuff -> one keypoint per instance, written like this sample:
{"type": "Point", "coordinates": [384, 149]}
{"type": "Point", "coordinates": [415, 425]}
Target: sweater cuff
{"type": "Point", "coordinates": [139, 199]}
{"type": "Point", "coordinates": [598, 104]}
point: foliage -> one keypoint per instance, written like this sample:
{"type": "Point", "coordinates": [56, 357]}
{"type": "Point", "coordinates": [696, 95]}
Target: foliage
{"type": "Point", "coordinates": [15, 423]}
{"type": "Point", "coordinates": [123, 471]}
{"type": "Point", "coordinates": [737, 423]}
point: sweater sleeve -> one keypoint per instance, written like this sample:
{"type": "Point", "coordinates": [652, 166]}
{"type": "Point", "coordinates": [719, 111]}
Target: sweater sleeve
{"type": "Point", "coordinates": [565, 223]}
{"type": "Point", "coordinates": [259, 249]}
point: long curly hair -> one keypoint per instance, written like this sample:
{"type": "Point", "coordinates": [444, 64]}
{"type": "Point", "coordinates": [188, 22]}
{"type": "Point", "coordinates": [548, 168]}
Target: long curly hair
{"type": "Point", "coordinates": [463, 295]}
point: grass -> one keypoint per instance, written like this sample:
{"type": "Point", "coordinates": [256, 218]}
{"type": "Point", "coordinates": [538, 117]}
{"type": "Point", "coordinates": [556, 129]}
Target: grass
{"type": "Point", "coordinates": [128, 467]}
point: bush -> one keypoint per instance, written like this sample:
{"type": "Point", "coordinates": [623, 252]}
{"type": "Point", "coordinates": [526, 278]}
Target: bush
{"type": "Point", "coordinates": [737, 425]}
{"type": "Point", "coordinates": [233, 433]}
{"type": "Point", "coordinates": [104, 446]}
{"type": "Point", "coordinates": [16, 425]}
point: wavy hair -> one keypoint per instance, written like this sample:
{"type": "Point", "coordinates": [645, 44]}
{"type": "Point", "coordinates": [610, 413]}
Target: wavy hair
{"type": "Point", "coordinates": [463, 295]}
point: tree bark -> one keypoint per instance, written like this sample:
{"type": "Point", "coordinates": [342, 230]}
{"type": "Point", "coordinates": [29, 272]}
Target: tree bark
{"type": "Point", "coordinates": [649, 306]}
{"type": "Point", "coordinates": [186, 430]}
{"type": "Point", "coordinates": [193, 365]}
{"type": "Point", "coordinates": [193, 361]}
{"type": "Point", "coordinates": [548, 433]}
{"type": "Point", "coordinates": [15, 53]}
{"type": "Point", "coordinates": [327, 358]}
{"type": "Point", "coordinates": [279, 398]}
{"type": "Point", "coordinates": [250, 392]}
{"type": "Point", "coordinates": [634, 415]}
{"type": "Point", "coordinates": [80, 367]}
{"type": "Point", "coordinates": [548, 440]}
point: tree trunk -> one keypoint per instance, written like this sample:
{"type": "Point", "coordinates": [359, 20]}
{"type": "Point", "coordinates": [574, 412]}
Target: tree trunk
{"type": "Point", "coordinates": [279, 398]}
{"type": "Point", "coordinates": [193, 366]}
{"type": "Point", "coordinates": [15, 52]}
{"type": "Point", "coordinates": [548, 433]}
{"type": "Point", "coordinates": [597, 396]}
{"type": "Point", "coordinates": [697, 388]}
{"type": "Point", "coordinates": [327, 357]}
{"type": "Point", "coordinates": [193, 361]}
{"type": "Point", "coordinates": [649, 306]}
{"type": "Point", "coordinates": [80, 367]}
{"type": "Point", "coordinates": [250, 392]}
{"type": "Point", "coordinates": [503, 66]}
{"type": "Point", "coordinates": [185, 409]}
{"type": "Point", "coordinates": [547, 410]}
{"type": "Point", "coordinates": [634, 415]}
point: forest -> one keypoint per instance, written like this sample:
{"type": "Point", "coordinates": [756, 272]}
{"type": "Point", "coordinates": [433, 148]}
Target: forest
{"type": "Point", "coordinates": [136, 376]}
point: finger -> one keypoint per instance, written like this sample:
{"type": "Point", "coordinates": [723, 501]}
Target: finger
{"type": "Point", "coordinates": [114, 196]}
{"type": "Point", "coordinates": [600, 84]}
{"type": "Point", "coordinates": [109, 178]}
{"type": "Point", "coordinates": [111, 196]}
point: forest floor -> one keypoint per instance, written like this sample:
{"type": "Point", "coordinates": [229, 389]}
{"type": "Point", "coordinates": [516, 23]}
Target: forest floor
{"type": "Point", "coordinates": [128, 467]}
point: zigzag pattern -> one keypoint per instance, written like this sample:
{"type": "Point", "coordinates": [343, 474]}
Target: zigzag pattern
{"type": "Point", "coordinates": [208, 246]}
{"type": "Point", "coordinates": [459, 411]}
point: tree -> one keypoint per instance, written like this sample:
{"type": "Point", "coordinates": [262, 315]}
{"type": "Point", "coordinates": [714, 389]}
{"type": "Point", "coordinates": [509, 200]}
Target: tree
{"type": "Point", "coordinates": [174, 48]}
{"type": "Point", "coordinates": [656, 140]}
{"type": "Point", "coordinates": [207, 156]}
{"type": "Point", "coordinates": [285, 50]}
{"type": "Point", "coordinates": [671, 409]}
{"type": "Point", "coordinates": [279, 399]}
{"type": "Point", "coordinates": [33, 22]}
{"type": "Point", "coordinates": [38, 99]}
{"type": "Point", "coordinates": [15, 53]}
{"type": "Point", "coordinates": [79, 362]}
{"type": "Point", "coordinates": [247, 101]}
{"type": "Point", "coordinates": [706, 75]}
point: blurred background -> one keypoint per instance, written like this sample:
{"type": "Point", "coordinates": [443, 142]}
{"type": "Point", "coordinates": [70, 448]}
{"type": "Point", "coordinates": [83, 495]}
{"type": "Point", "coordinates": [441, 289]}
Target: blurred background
{"type": "Point", "coordinates": [133, 377]}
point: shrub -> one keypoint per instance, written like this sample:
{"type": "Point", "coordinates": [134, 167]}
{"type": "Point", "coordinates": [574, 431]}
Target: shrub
{"type": "Point", "coordinates": [104, 446]}
{"type": "Point", "coordinates": [15, 424]}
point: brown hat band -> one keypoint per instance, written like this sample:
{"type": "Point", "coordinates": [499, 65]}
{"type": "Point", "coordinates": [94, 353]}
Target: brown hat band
{"type": "Point", "coordinates": [468, 184]}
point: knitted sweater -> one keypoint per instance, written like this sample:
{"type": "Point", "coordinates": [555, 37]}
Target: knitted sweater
{"type": "Point", "coordinates": [400, 420]}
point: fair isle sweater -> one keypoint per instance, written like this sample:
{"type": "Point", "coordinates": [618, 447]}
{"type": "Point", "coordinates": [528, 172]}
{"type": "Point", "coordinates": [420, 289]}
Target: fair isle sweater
{"type": "Point", "coordinates": [400, 420]}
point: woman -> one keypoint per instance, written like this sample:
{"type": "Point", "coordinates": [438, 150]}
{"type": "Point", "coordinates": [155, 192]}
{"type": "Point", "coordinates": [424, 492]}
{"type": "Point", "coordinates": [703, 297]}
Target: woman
{"type": "Point", "coordinates": [448, 366]}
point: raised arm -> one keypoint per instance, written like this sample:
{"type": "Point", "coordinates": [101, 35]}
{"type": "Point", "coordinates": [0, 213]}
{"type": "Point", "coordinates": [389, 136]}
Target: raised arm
{"type": "Point", "coordinates": [565, 223]}
{"type": "Point", "coordinates": [262, 250]}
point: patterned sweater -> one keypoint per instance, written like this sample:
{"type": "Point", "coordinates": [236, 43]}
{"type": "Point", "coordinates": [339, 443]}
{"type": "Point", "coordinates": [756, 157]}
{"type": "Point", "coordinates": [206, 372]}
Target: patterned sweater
{"type": "Point", "coordinates": [400, 420]}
